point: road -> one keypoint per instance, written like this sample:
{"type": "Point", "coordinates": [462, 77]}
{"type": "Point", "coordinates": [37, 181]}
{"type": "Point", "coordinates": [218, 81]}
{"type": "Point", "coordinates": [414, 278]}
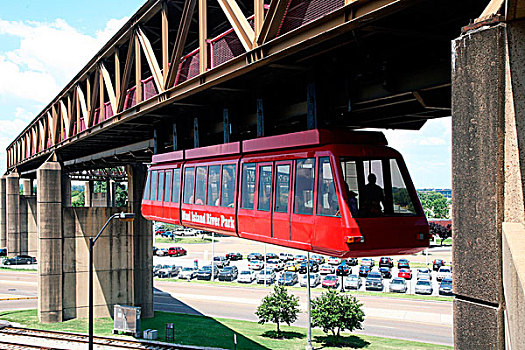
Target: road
{"type": "Point", "coordinates": [426, 321]}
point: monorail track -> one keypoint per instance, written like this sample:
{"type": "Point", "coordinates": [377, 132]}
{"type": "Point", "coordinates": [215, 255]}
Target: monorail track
{"type": "Point", "coordinates": [15, 338]}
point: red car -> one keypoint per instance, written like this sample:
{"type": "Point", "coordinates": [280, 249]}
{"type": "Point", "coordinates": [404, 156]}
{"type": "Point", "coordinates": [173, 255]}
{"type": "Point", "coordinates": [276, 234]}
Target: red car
{"type": "Point", "coordinates": [405, 273]}
{"type": "Point", "coordinates": [330, 281]}
{"type": "Point", "coordinates": [177, 251]}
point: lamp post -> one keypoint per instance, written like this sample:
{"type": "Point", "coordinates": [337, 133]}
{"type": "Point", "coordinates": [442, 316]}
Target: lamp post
{"type": "Point", "coordinates": [123, 217]}
{"type": "Point", "coordinates": [309, 345]}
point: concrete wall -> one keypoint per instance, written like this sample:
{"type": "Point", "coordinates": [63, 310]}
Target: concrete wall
{"type": "Point", "coordinates": [3, 213]}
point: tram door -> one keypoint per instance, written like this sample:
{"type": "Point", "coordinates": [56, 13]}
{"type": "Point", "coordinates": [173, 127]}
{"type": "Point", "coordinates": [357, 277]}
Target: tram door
{"type": "Point", "coordinates": [282, 202]}
{"type": "Point", "coordinates": [263, 193]}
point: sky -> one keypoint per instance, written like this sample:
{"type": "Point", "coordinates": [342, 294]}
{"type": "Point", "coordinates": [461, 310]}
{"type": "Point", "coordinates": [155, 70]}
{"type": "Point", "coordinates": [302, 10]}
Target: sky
{"type": "Point", "coordinates": [44, 44]}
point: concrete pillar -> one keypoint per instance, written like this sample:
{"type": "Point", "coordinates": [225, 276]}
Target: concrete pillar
{"type": "Point", "coordinates": [3, 213]}
{"type": "Point", "coordinates": [26, 194]}
{"type": "Point", "coordinates": [142, 242]}
{"type": "Point", "coordinates": [114, 185]}
{"type": "Point", "coordinates": [66, 190]}
{"type": "Point", "coordinates": [88, 193]}
{"type": "Point", "coordinates": [13, 214]}
{"type": "Point", "coordinates": [50, 270]}
{"type": "Point", "coordinates": [109, 194]}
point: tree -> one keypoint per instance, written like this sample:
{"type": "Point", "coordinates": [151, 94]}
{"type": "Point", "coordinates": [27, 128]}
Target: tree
{"type": "Point", "coordinates": [121, 196]}
{"type": "Point", "coordinates": [335, 312]}
{"type": "Point", "coordinates": [435, 205]}
{"type": "Point", "coordinates": [442, 232]}
{"type": "Point", "coordinates": [77, 199]}
{"type": "Point", "coordinates": [278, 307]}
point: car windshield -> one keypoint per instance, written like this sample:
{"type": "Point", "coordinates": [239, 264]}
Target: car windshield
{"type": "Point", "coordinates": [424, 271]}
{"type": "Point", "coordinates": [207, 268]}
{"type": "Point", "coordinates": [395, 281]}
{"type": "Point", "coordinates": [187, 269]}
{"type": "Point", "coordinates": [166, 266]}
{"type": "Point", "coordinates": [245, 272]}
{"type": "Point", "coordinates": [227, 269]}
{"type": "Point", "coordinates": [330, 278]}
{"type": "Point", "coordinates": [446, 283]}
{"type": "Point", "coordinates": [423, 283]}
{"type": "Point", "coordinates": [444, 269]}
{"type": "Point", "coordinates": [353, 277]}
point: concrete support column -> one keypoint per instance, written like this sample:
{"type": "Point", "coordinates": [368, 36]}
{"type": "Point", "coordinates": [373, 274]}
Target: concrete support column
{"type": "Point", "coordinates": [109, 194]}
{"type": "Point", "coordinates": [13, 214]}
{"type": "Point", "coordinates": [3, 213]}
{"type": "Point", "coordinates": [27, 190]}
{"type": "Point", "coordinates": [50, 253]}
{"type": "Point", "coordinates": [66, 190]}
{"type": "Point", "coordinates": [142, 242]}
{"type": "Point", "coordinates": [113, 186]}
{"type": "Point", "coordinates": [88, 193]}
{"type": "Point", "coordinates": [24, 235]}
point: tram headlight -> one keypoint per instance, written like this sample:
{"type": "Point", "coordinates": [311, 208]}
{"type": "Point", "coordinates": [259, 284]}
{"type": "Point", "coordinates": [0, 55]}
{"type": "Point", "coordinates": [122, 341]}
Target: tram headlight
{"type": "Point", "coordinates": [355, 239]}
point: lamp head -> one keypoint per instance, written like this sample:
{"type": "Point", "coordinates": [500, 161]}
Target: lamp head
{"type": "Point", "coordinates": [126, 216]}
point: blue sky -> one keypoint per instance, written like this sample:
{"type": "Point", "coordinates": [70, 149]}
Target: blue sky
{"type": "Point", "coordinates": [43, 44]}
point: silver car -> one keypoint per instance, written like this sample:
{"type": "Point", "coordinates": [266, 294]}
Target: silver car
{"type": "Point", "coordinates": [424, 274]}
{"type": "Point", "coordinates": [315, 280]}
{"type": "Point", "coordinates": [266, 275]}
{"type": "Point", "coordinates": [353, 282]}
{"type": "Point", "coordinates": [398, 285]}
{"type": "Point", "coordinates": [187, 273]}
{"type": "Point", "coordinates": [424, 287]}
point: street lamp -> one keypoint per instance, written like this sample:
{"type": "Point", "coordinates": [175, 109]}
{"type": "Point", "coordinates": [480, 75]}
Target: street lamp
{"type": "Point", "coordinates": [123, 217]}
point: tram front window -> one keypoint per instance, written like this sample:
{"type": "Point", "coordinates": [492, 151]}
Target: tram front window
{"type": "Point", "coordinates": [376, 187]}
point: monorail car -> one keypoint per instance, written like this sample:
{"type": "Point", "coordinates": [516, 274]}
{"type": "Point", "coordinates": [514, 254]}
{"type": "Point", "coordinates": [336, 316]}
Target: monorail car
{"type": "Point", "coordinates": [343, 194]}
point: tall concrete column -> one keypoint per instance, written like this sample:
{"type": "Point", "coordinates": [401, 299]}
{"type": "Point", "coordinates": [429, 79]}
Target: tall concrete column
{"type": "Point", "coordinates": [50, 270]}
{"type": "Point", "coordinates": [109, 194]}
{"type": "Point", "coordinates": [13, 214]}
{"type": "Point", "coordinates": [66, 190]}
{"type": "Point", "coordinates": [27, 189]}
{"type": "Point", "coordinates": [88, 193]}
{"type": "Point", "coordinates": [142, 241]}
{"type": "Point", "coordinates": [3, 213]}
{"type": "Point", "coordinates": [114, 185]}
{"type": "Point", "coordinates": [24, 203]}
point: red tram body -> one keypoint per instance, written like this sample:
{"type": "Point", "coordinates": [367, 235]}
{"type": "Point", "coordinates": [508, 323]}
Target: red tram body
{"type": "Point", "coordinates": [305, 190]}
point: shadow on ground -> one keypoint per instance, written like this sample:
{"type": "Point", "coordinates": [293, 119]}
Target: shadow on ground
{"type": "Point", "coordinates": [349, 342]}
{"type": "Point", "coordinates": [284, 335]}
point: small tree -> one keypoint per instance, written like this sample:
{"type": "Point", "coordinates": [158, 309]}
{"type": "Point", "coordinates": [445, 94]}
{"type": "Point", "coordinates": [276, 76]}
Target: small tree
{"type": "Point", "coordinates": [278, 307]}
{"type": "Point", "coordinates": [440, 231]}
{"type": "Point", "coordinates": [335, 312]}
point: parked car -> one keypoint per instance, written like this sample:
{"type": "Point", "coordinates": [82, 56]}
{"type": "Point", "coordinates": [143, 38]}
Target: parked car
{"type": "Point", "coordinates": [20, 260]}
{"type": "Point", "coordinates": [275, 264]}
{"type": "Point", "coordinates": [188, 273]}
{"type": "Point", "coordinates": [246, 276]}
{"type": "Point", "coordinates": [156, 269]}
{"type": "Point", "coordinates": [386, 262]}
{"type": "Point", "coordinates": [291, 266]}
{"type": "Point", "coordinates": [424, 287]}
{"type": "Point", "coordinates": [343, 269]}
{"type": "Point", "coordinates": [205, 273]}
{"type": "Point", "coordinates": [405, 273]}
{"type": "Point", "coordinates": [168, 271]}
{"type": "Point", "coordinates": [326, 269]}
{"type": "Point", "coordinates": [398, 285]}
{"type": "Point", "coordinates": [255, 256]}
{"type": "Point", "coordinates": [255, 264]}
{"type": "Point", "coordinates": [271, 256]}
{"type": "Point", "coordinates": [266, 275]}
{"type": "Point", "coordinates": [367, 262]}
{"type": "Point", "coordinates": [177, 251]}
{"type": "Point", "coordinates": [162, 252]}
{"type": "Point", "coordinates": [444, 272]}
{"type": "Point", "coordinates": [299, 258]}
{"type": "Point", "coordinates": [314, 267]}
{"type": "Point", "coordinates": [403, 264]}
{"type": "Point", "coordinates": [315, 280]}
{"type": "Point", "coordinates": [154, 250]}
{"type": "Point", "coordinates": [330, 281]}
{"type": "Point", "coordinates": [385, 272]}
{"type": "Point", "coordinates": [234, 256]}
{"type": "Point", "coordinates": [352, 261]}
{"type": "Point", "coordinates": [353, 282]}
{"type": "Point", "coordinates": [374, 281]}
{"type": "Point", "coordinates": [288, 278]}
{"type": "Point", "coordinates": [364, 270]}
{"type": "Point", "coordinates": [333, 260]}
{"type": "Point", "coordinates": [220, 261]}
{"type": "Point", "coordinates": [318, 258]}
{"type": "Point", "coordinates": [228, 273]}
{"type": "Point", "coordinates": [445, 287]}
{"type": "Point", "coordinates": [424, 274]}
{"type": "Point", "coordinates": [437, 263]}
{"type": "Point", "coordinates": [285, 256]}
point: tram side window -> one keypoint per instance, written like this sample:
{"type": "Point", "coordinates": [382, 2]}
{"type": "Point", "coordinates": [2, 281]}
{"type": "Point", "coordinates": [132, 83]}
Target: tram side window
{"type": "Point", "coordinates": [372, 201]}
{"type": "Point", "coordinates": [176, 186]}
{"type": "Point", "coordinates": [160, 187]}
{"type": "Point", "coordinates": [248, 186]}
{"type": "Point", "coordinates": [265, 188]}
{"type": "Point", "coordinates": [327, 203]}
{"type": "Point", "coordinates": [214, 173]}
{"type": "Point", "coordinates": [153, 196]}
{"type": "Point", "coordinates": [189, 177]}
{"type": "Point", "coordinates": [304, 186]}
{"type": "Point", "coordinates": [282, 188]}
{"type": "Point", "coordinates": [228, 185]}
{"type": "Point", "coordinates": [351, 184]}
{"type": "Point", "coordinates": [402, 203]}
{"type": "Point", "coordinates": [146, 189]}
{"type": "Point", "coordinates": [167, 186]}
{"type": "Point", "coordinates": [200, 185]}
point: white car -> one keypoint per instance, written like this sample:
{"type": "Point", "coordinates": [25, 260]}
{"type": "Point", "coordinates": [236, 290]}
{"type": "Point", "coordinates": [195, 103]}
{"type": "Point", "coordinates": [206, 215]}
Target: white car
{"type": "Point", "coordinates": [333, 261]}
{"type": "Point", "coordinates": [162, 252]}
{"type": "Point", "coordinates": [424, 287]}
{"type": "Point", "coordinates": [286, 256]}
{"type": "Point", "coordinates": [444, 272]}
{"type": "Point", "coordinates": [315, 280]}
{"type": "Point", "coordinates": [299, 258]}
{"type": "Point", "coordinates": [255, 265]}
{"type": "Point", "coordinates": [367, 262]}
{"type": "Point", "coordinates": [398, 285]}
{"type": "Point", "coordinates": [246, 276]}
{"type": "Point", "coordinates": [424, 274]}
{"type": "Point", "coordinates": [353, 282]}
{"type": "Point", "coordinates": [187, 273]}
{"type": "Point", "coordinates": [267, 275]}
{"type": "Point", "coordinates": [326, 269]}
{"type": "Point", "coordinates": [275, 264]}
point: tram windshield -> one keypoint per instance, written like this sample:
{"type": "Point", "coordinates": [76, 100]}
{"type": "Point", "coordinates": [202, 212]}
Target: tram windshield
{"type": "Point", "coordinates": [376, 187]}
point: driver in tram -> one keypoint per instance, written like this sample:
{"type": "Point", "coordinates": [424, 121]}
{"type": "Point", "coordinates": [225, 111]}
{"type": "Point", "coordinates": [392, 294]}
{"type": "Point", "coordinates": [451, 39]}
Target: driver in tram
{"type": "Point", "coordinates": [372, 197]}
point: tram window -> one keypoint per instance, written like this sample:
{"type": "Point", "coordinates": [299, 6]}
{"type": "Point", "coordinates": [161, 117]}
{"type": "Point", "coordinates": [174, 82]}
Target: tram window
{"type": "Point", "coordinates": [189, 177]}
{"type": "Point", "coordinates": [153, 185]}
{"type": "Point", "coordinates": [304, 186]}
{"type": "Point", "coordinates": [176, 186]}
{"type": "Point", "coordinates": [265, 188]}
{"type": "Point", "coordinates": [248, 186]}
{"type": "Point", "coordinates": [327, 203]}
{"type": "Point", "coordinates": [282, 188]}
{"type": "Point", "coordinates": [402, 203]}
{"type": "Point", "coordinates": [167, 186]}
{"type": "Point", "coordinates": [228, 185]}
{"type": "Point", "coordinates": [200, 185]}
{"type": "Point", "coordinates": [214, 173]}
{"type": "Point", "coordinates": [146, 189]}
{"type": "Point", "coordinates": [160, 187]}
{"type": "Point", "coordinates": [372, 201]}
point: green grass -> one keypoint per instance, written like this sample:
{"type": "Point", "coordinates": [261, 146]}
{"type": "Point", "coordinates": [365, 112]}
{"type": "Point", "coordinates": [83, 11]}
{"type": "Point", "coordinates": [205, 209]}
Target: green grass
{"type": "Point", "coordinates": [184, 240]}
{"type": "Point", "coordinates": [218, 332]}
{"type": "Point", "coordinates": [15, 269]}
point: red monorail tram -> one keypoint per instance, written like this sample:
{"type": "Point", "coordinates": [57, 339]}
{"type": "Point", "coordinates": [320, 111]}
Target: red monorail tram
{"type": "Point", "coordinates": [343, 194]}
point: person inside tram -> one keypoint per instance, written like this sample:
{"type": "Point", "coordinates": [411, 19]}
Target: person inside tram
{"type": "Point", "coordinates": [372, 197]}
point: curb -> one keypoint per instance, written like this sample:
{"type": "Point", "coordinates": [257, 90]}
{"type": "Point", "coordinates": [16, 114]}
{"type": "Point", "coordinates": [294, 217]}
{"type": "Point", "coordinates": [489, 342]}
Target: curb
{"type": "Point", "coordinates": [18, 298]}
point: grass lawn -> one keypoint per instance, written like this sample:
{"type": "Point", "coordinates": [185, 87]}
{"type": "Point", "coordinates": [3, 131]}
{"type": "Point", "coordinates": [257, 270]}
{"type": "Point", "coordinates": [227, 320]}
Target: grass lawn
{"type": "Point", "coordinates": [185, 240]}
{"type": "Point", "coordinates": [218, 332]}
{"type": "Point", "coordinates": [15, 269]}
